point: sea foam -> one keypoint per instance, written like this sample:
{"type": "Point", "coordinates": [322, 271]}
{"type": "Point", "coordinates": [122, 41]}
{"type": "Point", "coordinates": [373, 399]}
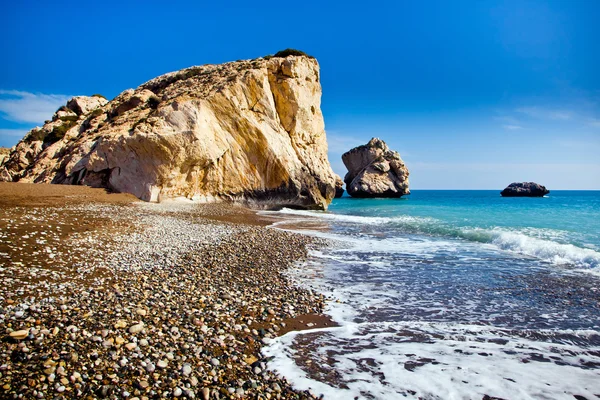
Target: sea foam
{"type": "Point", "coordinates": [436, 361]}
{"type": "Point", "coordinates": [548, 245]}
{"type": "Point", "coordinates": [455, 307]}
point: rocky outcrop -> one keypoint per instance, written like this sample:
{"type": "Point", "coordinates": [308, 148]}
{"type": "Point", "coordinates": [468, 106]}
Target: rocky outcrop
{"type": "Point", "coordinates": [524, 189]}
{"type": "Point", "coordinates": [4, 175]}
{"type": "Point", "coordinates": [339, 187]}
{"type": "Point", "coordinates": [247, 131]}
{"type": "Point", "coordinates": [81, 105]}
{"type": "Point", "coordinates": [4, 152]}
{"type": "Point", "coordinates": [375, 171]}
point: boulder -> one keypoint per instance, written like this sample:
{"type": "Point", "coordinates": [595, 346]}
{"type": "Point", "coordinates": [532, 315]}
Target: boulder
{"type": "Point", "coordinates": [524, 189]}
{"type": "Point", "coordinates": [339, 187]}
{"type": "Point", "coordinates": [375, 171]}
{"type": "Point", "coordinates": [248, 132]}
{"type": "Point", "coordinates": [84, 104]}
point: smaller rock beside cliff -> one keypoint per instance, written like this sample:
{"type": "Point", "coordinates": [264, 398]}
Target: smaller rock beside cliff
{"type": "Point", "coordinates": [339, 187]}
{"type": "Point", "coordinates": [524, 189]}
{"type": "Point", "coordinates": [375, 171]}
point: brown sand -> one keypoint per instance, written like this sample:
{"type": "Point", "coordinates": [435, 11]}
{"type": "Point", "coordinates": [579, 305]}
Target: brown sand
{"type": "Point", "coordinates": [15, 194]}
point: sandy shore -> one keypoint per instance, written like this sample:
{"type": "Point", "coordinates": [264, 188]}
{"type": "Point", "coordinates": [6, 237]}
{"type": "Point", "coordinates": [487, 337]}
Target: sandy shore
{"type": "Point", "coordinates": [104, 296]}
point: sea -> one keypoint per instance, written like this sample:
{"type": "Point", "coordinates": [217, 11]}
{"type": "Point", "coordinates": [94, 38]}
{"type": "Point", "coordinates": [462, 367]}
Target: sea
{"type": "Point", "coordinates": [450, 295]}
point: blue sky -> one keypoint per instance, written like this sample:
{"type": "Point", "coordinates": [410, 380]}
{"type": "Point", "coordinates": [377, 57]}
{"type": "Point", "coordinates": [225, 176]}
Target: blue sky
{"type": "Point", "coordinates": [473, 94]}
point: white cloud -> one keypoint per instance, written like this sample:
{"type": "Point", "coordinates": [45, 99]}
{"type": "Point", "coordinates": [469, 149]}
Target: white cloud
{"type": "Point", "coordinates": [546, 113]}
{"type": "Point", "coordinates": [507, 119]}
{"type": "Point", "coordinates": [577, 145]}
{"type": "Point", "coordinates": [19, 133]}
{"type": "Point", "coordinates": [29, 107]}
{"type": "Point", "coordinates": [338, 144]}
{"type": "Point", "coordinates": [558, 176]}
{"type": "Point", "coordinates": [512, 127]}
{"type": "Point", "coordinates": [509, 123]}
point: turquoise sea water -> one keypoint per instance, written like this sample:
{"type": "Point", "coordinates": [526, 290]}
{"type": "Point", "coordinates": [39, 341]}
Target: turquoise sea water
{"type": "Point", "coordinates": [563, 217]}
{"type": "Point", "coordinates": [452, 294]}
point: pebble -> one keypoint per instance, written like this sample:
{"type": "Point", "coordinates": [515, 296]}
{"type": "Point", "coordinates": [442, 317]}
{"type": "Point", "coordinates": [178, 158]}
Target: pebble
{"type": "Point", "coordinates": [205, 393]}
{"type": "Point", "coordinates": [120, 324]}
{"type": "Point", "coordinates": [205, 307]}
{"type": "Point", "coordinates": [137, 328]}
{"type": "Point", "coordinates": [20, 335]}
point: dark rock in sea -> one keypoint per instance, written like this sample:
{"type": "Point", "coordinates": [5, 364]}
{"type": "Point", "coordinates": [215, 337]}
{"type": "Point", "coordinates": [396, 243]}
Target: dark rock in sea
{"type": "Point", "coordinates": [375, 171]}
{"type": "Point", "coordinates": [524, 189]}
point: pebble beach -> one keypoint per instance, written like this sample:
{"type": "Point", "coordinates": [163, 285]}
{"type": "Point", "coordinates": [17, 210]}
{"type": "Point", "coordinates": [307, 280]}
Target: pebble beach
{"type": "Point", "coordinates": [104, 296]}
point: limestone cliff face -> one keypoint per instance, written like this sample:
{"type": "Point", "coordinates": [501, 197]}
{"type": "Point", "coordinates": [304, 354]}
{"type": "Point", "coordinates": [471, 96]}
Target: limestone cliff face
{"type": "Point", "coordinates": [375, 171]}
{"type": "Point", "coordinates": [247, 131]}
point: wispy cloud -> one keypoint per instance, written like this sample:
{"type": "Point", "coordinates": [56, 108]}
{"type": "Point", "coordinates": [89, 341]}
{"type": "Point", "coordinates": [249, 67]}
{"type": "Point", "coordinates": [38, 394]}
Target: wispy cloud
{"type": "Point", "coordinates": [507, 119]}
{"type": "Point", "coordinates": [546, 113]}
{"type": "Point", "coordinates": [512, 127]}
{"type": "Point", "coordinates": [19, 133]}
{"type": "Point", "coordinates": [578, 145]}
{"type": "Point", "coordinates": [594, 122]}
{"type": "Point", "coordinates": [339, 144]}
{"type": "Point", "coordinates": [568, 176]}
{"type": "Point", "coordinates": [29, 107]}
{"type": "Point", "coordinates": [509, 122]}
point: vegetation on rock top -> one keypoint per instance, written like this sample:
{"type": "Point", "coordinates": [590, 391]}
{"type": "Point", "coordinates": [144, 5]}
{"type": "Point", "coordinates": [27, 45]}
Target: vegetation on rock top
{"type": "Point", "coordinates": [291, 52]}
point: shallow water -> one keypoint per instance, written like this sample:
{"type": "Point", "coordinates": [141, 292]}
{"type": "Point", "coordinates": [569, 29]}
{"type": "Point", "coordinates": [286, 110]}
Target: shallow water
{"type": "Point", "coordinates": [452, 294]}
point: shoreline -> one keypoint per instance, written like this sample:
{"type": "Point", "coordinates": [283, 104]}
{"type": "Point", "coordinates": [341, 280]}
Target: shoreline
{"type": "Point", "coordinates": [120, 298]}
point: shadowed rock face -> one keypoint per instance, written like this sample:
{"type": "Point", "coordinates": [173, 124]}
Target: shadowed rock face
{"type": "Point", "coordinates": [339, 187]}
{"type": "Point", "coordinates": [375, 171]}
{"type": "Point", "coordinates": [248, 131]}
{"type": "Point", "coordinates": [524, 189]}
